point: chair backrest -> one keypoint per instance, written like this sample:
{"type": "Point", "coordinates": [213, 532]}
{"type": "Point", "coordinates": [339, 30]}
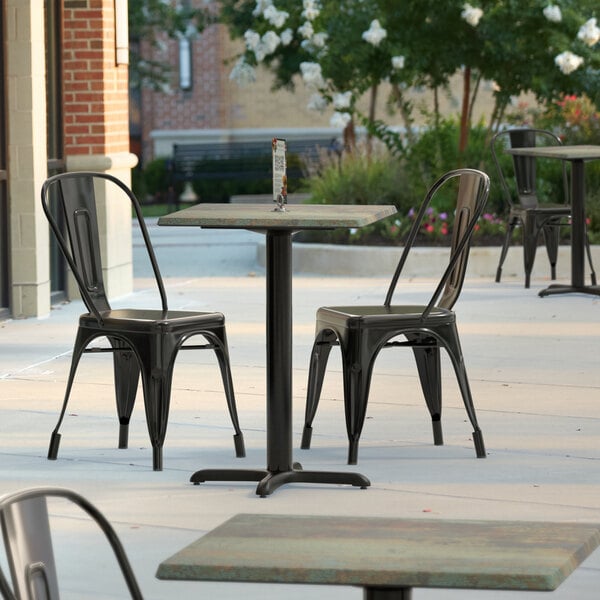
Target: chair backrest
{"type": "Point", "coordinates": [28, 544]}
{"type": "Point", "coordinates": [471, 195]}
{"type": "Point", "coordinates": [524, 167]}
{"type": "Point", "coordinates": [69, 202]}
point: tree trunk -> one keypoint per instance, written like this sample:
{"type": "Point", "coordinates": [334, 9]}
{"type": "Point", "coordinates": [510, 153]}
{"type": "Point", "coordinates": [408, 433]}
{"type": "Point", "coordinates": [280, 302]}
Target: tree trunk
{"type": "Point", "coordinates": [372, 110]}
{"type": "Point", "coordinates": [464, 116]}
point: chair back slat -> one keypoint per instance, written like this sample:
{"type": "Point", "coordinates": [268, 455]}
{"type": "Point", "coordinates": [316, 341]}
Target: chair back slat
{"type": "Point", "coordinates": [78, 200]}
{"type": "Point", "coordinates": [471, 196]}
{"type": "Point", "coordinates": [524, 168]}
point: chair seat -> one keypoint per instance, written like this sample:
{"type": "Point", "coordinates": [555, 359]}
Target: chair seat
{"type": "Point", "coordinates": [385, 316]}
{"type": "Point", "coordinates": [147, 319]}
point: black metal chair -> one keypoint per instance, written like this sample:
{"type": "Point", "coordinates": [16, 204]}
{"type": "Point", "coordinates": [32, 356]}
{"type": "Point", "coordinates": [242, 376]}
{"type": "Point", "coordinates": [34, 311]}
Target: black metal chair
{"type": "Point", "coordinates": [143, 342]}
{"type": "Point", "coordinates": [363, 331]}
{"type": "Point", "coordinates": [29, 548]}
{"type": "Point", "coordinates": [525, 206]}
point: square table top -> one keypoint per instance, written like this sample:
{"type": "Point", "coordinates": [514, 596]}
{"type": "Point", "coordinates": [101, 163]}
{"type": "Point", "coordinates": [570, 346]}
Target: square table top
{"type": "Point", "coordinates": [576, 152]}
{"type": "Point", "coordinates": [372, 551]}
{"type": "Point", "coordinates": [263, 216]}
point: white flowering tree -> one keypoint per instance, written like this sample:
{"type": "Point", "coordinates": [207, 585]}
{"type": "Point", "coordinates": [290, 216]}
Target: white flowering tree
{"type": "Point", "coordinates": [343, 49]}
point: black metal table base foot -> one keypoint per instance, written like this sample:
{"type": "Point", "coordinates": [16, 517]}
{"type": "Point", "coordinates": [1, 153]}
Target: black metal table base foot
{"type": "Point", "coordinates": [570, 289]}
{"type": "Point", "coordinates": [269, 481]}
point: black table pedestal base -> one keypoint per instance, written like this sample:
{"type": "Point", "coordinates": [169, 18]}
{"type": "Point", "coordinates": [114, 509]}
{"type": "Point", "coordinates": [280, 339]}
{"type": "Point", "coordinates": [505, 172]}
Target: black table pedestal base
{"type": "Point", "coordinates": [269, 481]}
{"type": "Point", "coordinates": [387, 593]}
{"type": "Point", "coordinates": [558, 288]}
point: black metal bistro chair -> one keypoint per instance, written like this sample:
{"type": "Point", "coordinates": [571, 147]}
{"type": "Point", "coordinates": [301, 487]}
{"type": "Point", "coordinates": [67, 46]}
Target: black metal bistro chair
{"type": "Point", "coordinates": [29, 546]}
{"type": "Point", "coordinates": [526, 206]}
{"type": "Point", "coordinates": [143, 342]}
{"type": "Point", "coordinates": [362, 331]}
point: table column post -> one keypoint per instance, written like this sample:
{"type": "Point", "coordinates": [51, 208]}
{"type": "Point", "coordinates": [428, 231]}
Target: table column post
{"type": "Point", "coordinates": [578, 229]}
{"type": "Point", "coordinates": [279, 350]}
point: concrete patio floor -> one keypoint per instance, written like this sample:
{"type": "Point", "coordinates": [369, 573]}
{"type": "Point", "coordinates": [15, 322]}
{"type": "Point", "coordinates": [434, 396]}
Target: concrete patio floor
{"type": "Point", "coordinates": [533, 365]}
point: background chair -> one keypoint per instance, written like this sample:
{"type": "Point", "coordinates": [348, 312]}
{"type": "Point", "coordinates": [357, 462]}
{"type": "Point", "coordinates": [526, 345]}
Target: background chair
{"type": "Point", "coordinates": [363, 331]}
{"type": "Point", "coordinates": [143, 342]}
{"type": "Point", "coordinates": [29, 549]}
{"type": "Point", "coordinates": [525, 206]}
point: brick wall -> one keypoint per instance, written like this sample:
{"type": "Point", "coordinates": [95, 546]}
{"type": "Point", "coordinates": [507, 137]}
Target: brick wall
{"type": "Point", "coordinates": [96, 108]}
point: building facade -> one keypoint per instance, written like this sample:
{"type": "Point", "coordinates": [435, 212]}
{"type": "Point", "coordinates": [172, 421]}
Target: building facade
{"type": "Point", "coordinates": [64, 107]}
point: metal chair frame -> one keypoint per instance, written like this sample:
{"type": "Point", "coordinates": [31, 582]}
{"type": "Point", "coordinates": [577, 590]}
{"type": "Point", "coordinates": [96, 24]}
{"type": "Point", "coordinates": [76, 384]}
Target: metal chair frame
{"type": "Point", "coordinates": [28, 542]}
{"type": "Point", "coordinates": [363, 331]}
{"type": "Point", "coordinates": [527, 211]}
{"type": "Point", "coordinates": [143, 342]}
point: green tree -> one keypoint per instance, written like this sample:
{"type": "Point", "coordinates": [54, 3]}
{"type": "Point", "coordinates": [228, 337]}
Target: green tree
{"type": "Point", "coordinates": [346, 48]}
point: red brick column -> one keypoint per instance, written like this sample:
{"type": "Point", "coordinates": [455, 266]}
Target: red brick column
{"type": "Point", "coordinates": [95, 87]}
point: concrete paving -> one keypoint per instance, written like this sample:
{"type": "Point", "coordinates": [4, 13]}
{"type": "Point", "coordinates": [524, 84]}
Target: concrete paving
{"type": "Point", "coordinates": [533, 367]}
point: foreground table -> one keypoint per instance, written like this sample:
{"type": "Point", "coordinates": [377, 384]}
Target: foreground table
{"type": "Point", "coordinates": [278, 227]}
{"type": "Point", "coordinates": [386, 557]}
{"type": "Point", "coordinates": [576, 155]}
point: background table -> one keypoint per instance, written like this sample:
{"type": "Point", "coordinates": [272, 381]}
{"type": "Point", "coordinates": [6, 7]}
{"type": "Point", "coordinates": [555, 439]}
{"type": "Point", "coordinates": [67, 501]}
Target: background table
{"type": "Point", "coordinates": [387, 557]}
{"type": "Point", "coordinates": [576, 155]}
{"type": "Point", "coordinates": [278, 227]}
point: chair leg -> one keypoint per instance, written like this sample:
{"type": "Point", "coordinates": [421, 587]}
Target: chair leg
{"type": "Point", "coordinates": [316, 373]}
{"type": "Point", "coordinates": [589, 257]}
{"type": "Point", "coordinates": [224, 364]}
{"type": "Point", "coordinates": [429, 369]}
{"type": "Point", "coordinates": [507, 238]}
{"type": "Point", "coordinates": [530, 237]}
{"type": "Point", "coordinates": [551, 238]}
{"type": "Point", "coordinates": [78, 348]}
{"type": "Point", "coordinates": [449, 337]}
{"type": "Point", "coordinates": [126, 374]}
{"type": "Point", "coordinates": [357, 381]}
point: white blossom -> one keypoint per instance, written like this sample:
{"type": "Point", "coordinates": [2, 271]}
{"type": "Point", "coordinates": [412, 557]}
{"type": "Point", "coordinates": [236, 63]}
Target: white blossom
{"type": "Point", "coordinates": [471, 14]}
{"type": "Point", "coordinates": [589, 32]}
{"type": "Point", "coordinates": [340, 119]}
{"type": "Point", "coordinates": [311, 9]}
{"type": "Point", "coordinates": [261, 6]}
{"type": "Point", "coordinates": [568, 62]}
{"type": "Point", "coordinates": [375, 33]}
{"type": "Point", "coordinates": [319, 39]}
{"type": "Point", "coordinates": [286, 37]}
{"type": "Point", "coordinates": [242, 73]}
{"type": "Point", "coordinates": [312, 74]}
{"type": "Point", "coordinates": [252, 39]}
{"type": "Point", "coordinates": [306, 30]}
{"type": "Point", "coordinates": [398, 62]}
{"type": "Point", "coordinates": [270, 40]}
{"type": "Point", "coordinates": [267, 45]}
{"type": "Point", "coordinates": [316, 102]}
{"type": "Point", "coordinates": [276, 17]}
{"type": "Point", "coordinates": [342, 100]}
{"type": "Point", "coordinates": [552, 13]}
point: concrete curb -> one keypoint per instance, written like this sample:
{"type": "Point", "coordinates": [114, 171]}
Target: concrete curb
{"type": "Point", "coordinates": [364, 261]}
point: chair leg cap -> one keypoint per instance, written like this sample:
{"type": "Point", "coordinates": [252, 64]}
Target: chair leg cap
{"type": "Point", "coordinates": [54, 444]}
{"type": "Point", "coordinates": [306, 437]}
{"type": "Point", "coordinates": [438, 436]}
{"type": "Point", "coordinates": [240, 447]}
{"type": "Point", "coordinates": [479, 445]}
{"type": "Point", "coordinates": [353, 453]}
{"type": "Point", "coordinates": [123, 436]}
